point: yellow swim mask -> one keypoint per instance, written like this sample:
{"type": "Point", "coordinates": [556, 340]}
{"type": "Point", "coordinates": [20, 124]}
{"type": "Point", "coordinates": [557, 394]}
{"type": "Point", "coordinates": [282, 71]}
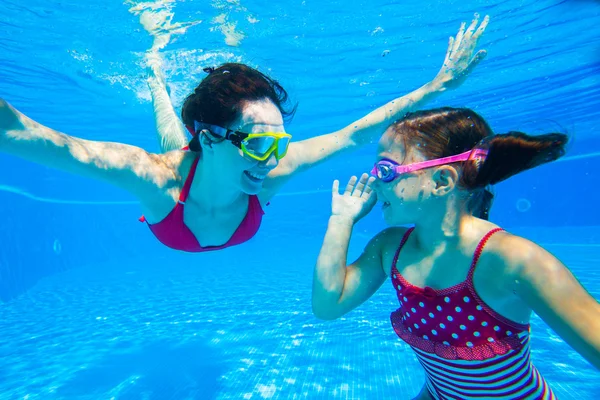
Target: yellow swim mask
{"type": "Point", "coordinates": [258, 146]}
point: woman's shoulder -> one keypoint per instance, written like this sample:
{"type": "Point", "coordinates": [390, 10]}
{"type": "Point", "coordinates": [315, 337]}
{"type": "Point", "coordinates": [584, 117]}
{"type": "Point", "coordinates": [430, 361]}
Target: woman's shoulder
{"type": "Point", "coordinates": [174, 166]}
{"type": "Point", "coordinates": [171, 170]}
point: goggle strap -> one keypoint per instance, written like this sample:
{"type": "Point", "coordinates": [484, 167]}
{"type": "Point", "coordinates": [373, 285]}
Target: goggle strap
{"type": "Point", "coordinates": [474, 154]}
{"type": "Point", "coordinates": [234, 137]}
{"type": "Point", "coordinates": [471, 154]}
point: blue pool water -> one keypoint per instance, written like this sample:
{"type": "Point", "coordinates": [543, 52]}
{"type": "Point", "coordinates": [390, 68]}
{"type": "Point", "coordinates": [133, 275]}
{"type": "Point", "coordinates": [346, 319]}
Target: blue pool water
{"type": "Point", "coordinates": [94, 308]}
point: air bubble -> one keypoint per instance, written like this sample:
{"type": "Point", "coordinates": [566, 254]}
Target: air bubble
{"type": "Point", "coordinates": [57, 247]}
{"type": "Point", "coordinates": [523, 205]}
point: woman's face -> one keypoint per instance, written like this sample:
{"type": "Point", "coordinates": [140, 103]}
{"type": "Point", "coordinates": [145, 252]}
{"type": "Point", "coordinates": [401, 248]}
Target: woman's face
{"type": "Point", "coordinates": [231, 164]}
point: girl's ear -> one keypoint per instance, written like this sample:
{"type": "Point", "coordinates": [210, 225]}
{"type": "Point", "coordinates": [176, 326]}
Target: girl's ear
{"type": "Point", "coordinates": [445, 179]}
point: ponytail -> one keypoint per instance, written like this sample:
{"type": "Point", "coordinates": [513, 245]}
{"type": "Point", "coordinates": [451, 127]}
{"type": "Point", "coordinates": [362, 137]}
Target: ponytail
{"type": "Point", "coordinates": [511, 153]}
{"type": "Point", "coordinates": [480, 202]}
{"type": "Point", "coordinates": [447, 131]}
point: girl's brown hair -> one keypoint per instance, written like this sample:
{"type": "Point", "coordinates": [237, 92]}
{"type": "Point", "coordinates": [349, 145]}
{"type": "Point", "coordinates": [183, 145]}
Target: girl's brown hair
{"type": "Point", "coordinates": [449, 131]}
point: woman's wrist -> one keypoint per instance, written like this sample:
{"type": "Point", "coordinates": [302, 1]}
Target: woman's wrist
{"type": "Point", "coordinates": [437, 85]}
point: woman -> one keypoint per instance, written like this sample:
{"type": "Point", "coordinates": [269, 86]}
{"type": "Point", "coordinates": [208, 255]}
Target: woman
{"type": "Point", "coordinates": [211, 194]}
{"type": "Point", "coordinates": [466, 287]}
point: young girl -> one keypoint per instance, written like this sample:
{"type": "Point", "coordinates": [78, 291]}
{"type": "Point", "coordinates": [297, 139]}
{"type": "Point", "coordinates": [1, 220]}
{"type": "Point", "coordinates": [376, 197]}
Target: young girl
{"type": "Point", "coordinates": [466, 287]}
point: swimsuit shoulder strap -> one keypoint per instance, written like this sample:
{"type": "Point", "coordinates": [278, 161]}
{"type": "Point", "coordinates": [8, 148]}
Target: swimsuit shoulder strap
{"type": "Point", "coordinates": [402, 243]}
{"type": "Point", "coordinates": [185, 191]}
{"type": "Point", "coordinates": [479, 250]}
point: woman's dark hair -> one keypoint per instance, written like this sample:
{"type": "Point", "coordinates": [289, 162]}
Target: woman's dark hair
{"type": "Point", "coordinates": [449, 131]}
{"type": "Point", "coordinates": [219, 98]}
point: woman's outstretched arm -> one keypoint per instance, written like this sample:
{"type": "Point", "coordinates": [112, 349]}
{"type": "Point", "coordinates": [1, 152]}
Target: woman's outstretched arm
{"type": "Point", "coordinates": [460, 60]}
{"type": "Point", "coordinates": [170, 129]}
{"type": "Point", "coordinates": [160, 26]}
{"type": "Point", "coordinates": [122, 165]}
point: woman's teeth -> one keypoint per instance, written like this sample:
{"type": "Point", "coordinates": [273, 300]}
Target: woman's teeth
{"type": "Point", "coordinates": [256, 176]}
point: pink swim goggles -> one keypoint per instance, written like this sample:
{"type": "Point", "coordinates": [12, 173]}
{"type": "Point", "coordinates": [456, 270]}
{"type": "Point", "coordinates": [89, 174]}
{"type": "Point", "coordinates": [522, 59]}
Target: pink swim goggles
{"type": "Point", "coordinates": [387, 170]}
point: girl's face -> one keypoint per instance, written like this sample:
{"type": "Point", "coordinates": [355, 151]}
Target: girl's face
{"type": "Point", "coordinates": [405, 199]}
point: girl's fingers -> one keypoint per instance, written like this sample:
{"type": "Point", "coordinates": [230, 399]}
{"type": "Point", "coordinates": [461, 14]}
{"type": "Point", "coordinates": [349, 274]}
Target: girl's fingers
{"type": "Point", "coordinates": [350, 186]}
{"type": "Point", "coordinates": [360, 186]}
{"type": "Point", "coordinates": [335, 188]}
{"type": "Point", "coordinates": [369, 188]}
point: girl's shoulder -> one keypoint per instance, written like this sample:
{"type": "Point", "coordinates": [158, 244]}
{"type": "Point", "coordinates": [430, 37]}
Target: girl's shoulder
{"type": "Point", "coordinates": [392, 236]}
{"type": "Point", "coordinates": [507, 256]}
{"type": "Point", "coordinates": [509, 251]}
{"type": "Point", "coordinates": [388, 242]}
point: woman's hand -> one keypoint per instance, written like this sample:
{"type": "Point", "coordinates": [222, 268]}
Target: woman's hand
{"type": "Point", "coordinates": [357, 200]}
{"type": "Point", "coordinates": [460, 60]}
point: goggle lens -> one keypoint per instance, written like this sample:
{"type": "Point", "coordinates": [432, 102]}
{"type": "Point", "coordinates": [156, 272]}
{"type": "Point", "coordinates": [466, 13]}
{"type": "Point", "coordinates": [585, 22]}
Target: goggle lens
{"type": "Point", "coordinates": [261, 147]}
{"type": "Point", "coordinates": [384, 171]}
{"type": "Point", "coordinates": [282, 147]}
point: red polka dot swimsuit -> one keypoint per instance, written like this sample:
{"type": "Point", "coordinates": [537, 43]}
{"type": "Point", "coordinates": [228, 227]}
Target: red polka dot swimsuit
{"type": "Point", "coordinates": [467, 349]}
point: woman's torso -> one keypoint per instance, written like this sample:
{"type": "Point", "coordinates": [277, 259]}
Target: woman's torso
{"type": "Point", "coordinates": [209, 228]}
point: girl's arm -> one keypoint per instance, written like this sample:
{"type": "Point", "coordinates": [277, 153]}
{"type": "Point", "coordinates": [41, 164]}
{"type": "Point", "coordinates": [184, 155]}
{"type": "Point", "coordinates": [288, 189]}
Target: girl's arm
{"type": "Point", "coordinates": [122, 165]}
{"type": "Point", "coordinates": [548, 287]}
{"type": "Point", "coordinates": [458, 64]}
{"type": "Point", "coordinates": [339, 288]}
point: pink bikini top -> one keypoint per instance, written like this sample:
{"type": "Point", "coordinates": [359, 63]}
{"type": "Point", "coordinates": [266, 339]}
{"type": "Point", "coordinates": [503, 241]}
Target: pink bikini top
{"type": "Point", "coordinates": [174, 233]}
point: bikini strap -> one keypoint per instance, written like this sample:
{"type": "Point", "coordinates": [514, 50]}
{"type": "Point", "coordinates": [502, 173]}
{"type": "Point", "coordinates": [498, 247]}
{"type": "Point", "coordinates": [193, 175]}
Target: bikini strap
{"type": "Point", "coordinates": [186, 186]}
{"type": "Point", "coordinates": [479, 250]}
{"type": "Point", "coordinates": [185, 190]}
{"type": "Point", "coordinates": [402, 243]}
